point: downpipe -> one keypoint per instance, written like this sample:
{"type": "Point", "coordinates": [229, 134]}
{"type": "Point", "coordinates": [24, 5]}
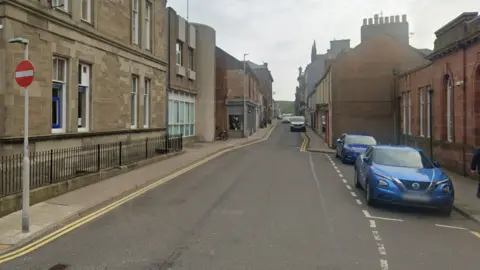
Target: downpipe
{"type": "Point", "coordinates": [464, 49]}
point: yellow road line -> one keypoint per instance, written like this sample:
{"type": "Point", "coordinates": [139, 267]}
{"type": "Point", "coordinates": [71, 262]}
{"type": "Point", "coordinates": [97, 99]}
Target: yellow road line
{"type": "Point", "coordinates": [72, 226]}
{"type": "Point", "coordinates": [303, 147]}
{"type": "Point", "coordinates": [476, 234]}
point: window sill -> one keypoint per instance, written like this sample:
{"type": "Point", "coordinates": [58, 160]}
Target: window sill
{"type": "Point", "coordinates": [133, 127]}
{"type": "Point", "coordinates": [58, 130]}
{"type": "Point", "coordinates": [89, 22]}
{"type": "Point", "coordinates": [145, 126]}
{"type": "Point", "coordinates": [82, 129]}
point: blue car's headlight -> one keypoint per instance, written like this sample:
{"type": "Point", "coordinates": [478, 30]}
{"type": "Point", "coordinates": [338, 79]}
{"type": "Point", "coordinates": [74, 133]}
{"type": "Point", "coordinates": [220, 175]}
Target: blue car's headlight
{"type": "Point", "coordinates": [382, 183]}
{"type": "Point", "coordinates": [446, 188]}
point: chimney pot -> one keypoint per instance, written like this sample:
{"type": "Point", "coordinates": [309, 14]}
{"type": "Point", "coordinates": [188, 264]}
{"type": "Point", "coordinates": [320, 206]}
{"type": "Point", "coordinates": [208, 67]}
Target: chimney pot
{"type": "Point", "coordinates": [365, 21]}
{"type": "Point", "coordinates": [392, 19]}
{"type": "Point", "coordinates": [375, 17]}
{"type": "Point", "coordinates": [404, 18]}
{"type": "Point", "coordinates": [397, 18]}
{"type": "Point", "coordinates": [386, 20]}
{"type": "Point", "coordinates": [265, 65]}
{"type": "Point", "coordinates": [370, 21]}
{"type": "Point", "coordinates": [381, 20]}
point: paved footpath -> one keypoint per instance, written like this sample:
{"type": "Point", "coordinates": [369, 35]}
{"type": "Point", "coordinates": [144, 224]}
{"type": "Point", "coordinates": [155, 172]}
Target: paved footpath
{"type": "Point", "coordinates": [263, 206]}
{"type": "Point", "coordinates": [50, 214]}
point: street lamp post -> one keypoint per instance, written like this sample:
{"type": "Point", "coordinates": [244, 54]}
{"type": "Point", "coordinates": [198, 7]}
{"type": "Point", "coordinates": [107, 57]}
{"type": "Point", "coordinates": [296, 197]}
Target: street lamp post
{"type": "Point", "coordinates": [244, 95]}
{"type": "Point", "coordinates": [26, 159]}
{"type": "Point", "coordinates": [430, 126]}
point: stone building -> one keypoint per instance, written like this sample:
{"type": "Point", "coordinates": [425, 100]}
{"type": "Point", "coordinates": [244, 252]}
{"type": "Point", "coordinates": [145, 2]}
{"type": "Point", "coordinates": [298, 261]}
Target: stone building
{"type": "Point", "coordinates": [191, 81]}
{"type": "Point", "coordinates": [357, 91]}
{"type": "Point", "coordinates": [453, 74]}
{"type": "Point", "coordinates": [100, 71]}
{"type": "Point", "coordinates": [266, 80]}
{"type": "Point", "coordinates": [230, 93]}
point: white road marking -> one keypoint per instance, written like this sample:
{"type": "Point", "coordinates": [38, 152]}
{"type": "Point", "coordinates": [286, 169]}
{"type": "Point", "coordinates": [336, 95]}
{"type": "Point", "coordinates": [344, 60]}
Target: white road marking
{"type": "Point", "coordinates": [383, 264]}
{"type": "Point", "coordinates": [372, 224]}
{"type": "Point", "coordinates": [376, 236]}
{"type": "Point", "coordinates": [367, 215]}
{"type": "Point", "coordinates": [450, 227]}
{"type": "Point", "coordinates": [337, 171]}
{"type": "Point", "coordinates": [341, 175]}
{"type": "Point", "coordinates": [349, 187]}
{"type": "Point", "coordinates": [359, 202]}
{"type": "Point", "coordinates": [381, 249]}
{"type": "Point", "coordinates": [344, 181]}
{"type": "Point", "coordinates": [353, 194]}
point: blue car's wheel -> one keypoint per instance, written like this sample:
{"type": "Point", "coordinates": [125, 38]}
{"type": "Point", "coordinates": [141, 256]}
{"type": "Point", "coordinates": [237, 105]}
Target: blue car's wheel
{"type": "Point", "coordinates": [368, 189]}
{"type": "Point", "coordinates": [355, 179]}
{"type": "Point", "coordinates": [447, 211]}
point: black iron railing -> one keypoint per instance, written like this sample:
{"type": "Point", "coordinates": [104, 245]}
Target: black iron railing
{"type": "Point", "coordinates": [56, 165]}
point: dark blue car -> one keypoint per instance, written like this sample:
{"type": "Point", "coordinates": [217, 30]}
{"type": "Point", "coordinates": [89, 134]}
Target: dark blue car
{"type": "Point", "coordinates": [403, 175]}
{"type": "Point", "coordinates": [349, 146]}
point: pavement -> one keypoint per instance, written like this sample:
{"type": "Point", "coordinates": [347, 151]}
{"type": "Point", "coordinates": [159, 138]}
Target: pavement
{"type": "Point", "coordinates": [466, 201]}
{"type": "Point", "coordinates": [316, 142]}
{"type": "Point", "coordinates": [51, 214]}
{"type": "Point", "coordinates": [262, 206]}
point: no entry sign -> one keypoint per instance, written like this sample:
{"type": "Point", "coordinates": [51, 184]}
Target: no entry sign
{"type": "Point", "coordinates": [24, 73]}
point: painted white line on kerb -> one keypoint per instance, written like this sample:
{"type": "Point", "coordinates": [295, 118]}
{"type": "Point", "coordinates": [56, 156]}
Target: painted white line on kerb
{"type": "Point", "coordinates": [349, 187]}
{"type": "Point", "coordinates": [341, 175]}
{"type": "Point", "coordinates": [372, 224]}
{"type": "Point", "coordinates": [344, 181]}
{"type": "Point", "coordinates": [383, 264]}
{"type": "Point", "coordinates": [353, 194]}
{"type": "Point", "coordinates": [381, 249]}
{"type": "Point", "coordinates": [376, 236]}
{"type": "Point", "coordinates": [359, 202]}
{"type": "Point", "coordinates": [25, 73]}
{"type": "Point", "coordinates": [450, 227]}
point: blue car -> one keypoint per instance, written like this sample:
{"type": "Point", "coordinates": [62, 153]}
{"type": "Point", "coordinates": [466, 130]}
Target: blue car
{"type": "Point", "coordinates": [349, 146]}
{"type": "Point", "coordinates": [403, 175]}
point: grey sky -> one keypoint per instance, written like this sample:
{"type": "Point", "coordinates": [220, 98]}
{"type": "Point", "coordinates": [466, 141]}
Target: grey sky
{"type": "Point", "coordinates": [281, 32]}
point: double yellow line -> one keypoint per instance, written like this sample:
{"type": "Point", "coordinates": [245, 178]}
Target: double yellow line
{"type": "Point", "coordinates": [79, 222]}
{"type": "Point", "coordinates": [303, 147]}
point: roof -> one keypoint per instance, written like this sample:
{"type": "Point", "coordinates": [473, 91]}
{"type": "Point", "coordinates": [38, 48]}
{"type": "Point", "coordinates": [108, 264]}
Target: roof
{"type": "Point", "coordinates": [396, 147]}
{"type": "Point", "coordinates": [355, 134]}
{"type": "Point", "coordinates": [260, 70]}
{"type": "Point", "coordinates": [232, 63]}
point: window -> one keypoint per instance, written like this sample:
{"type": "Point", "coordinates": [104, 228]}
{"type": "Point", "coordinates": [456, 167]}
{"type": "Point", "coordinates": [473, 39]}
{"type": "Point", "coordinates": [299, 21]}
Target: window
{"type": "Point", "coordinates": [190, 58]}
{"type": "Point", "coordinates": [83, 118]}
{"type": "Point", "coordinates": [449, 109]}
{"type": "Point", "coordinates": [135, 22]}
{"type": "Point", "coordinates": [60, 4]}
{"type": "Point", "coordinates": [148, 26]}
{"type": "Point", "coordinates": [146, 103]}
{"type": "Point", "coordinates": [179, 48]}
{"type": "Point", "coordinates": [422, 110]}
{"type": "Point", "coordinates": [404, 113]}
{"type": "Point", "coordinates": [429, 113]}
{"type": "Point", "coordinates": [87, 10]}
{"type": "Point", "coordinates": [409, 94]}
{"type": "Point", "coordinates": [133, 102]}
{"type": "Point", "coordinates": [181, 114]}
{"type": "Point", "coordinates": [59, 92]}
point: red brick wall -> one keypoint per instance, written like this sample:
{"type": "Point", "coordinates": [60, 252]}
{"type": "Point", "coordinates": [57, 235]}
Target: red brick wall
{"type": "Point", "coordinates": [220, 93]}
{"type": "Point", "coordinates": [235, 80]}
{"type": "Point", "coordinates": [461, 66]}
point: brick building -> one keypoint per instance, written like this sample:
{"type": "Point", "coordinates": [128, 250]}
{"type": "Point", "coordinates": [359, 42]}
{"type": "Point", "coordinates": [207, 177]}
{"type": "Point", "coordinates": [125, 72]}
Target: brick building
{"type": "Point", "coordinates": [230, 92]}
{"type": "Point", "coordinates": [356, 93]}
{"type": "Point", "coordinates": [100, 71]}
{"type": "Point", "coordinates": [265, 80]}
{"type": "Point", "coordinates": [454, 76]}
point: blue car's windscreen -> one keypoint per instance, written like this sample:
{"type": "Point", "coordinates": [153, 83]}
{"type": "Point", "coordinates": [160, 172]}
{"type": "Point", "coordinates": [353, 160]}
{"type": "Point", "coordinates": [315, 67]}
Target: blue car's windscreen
{"type": "Point", "coordinates": [402, 158]}
{"type": "Point", "coordinates": [365, 140]}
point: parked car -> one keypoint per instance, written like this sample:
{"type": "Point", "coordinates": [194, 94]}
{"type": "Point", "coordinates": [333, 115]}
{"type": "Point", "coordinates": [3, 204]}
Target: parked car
{"type": "Point", "coordinates": [349, 146]}
{"type": "Point", "coordinates": [286, 120]}
{"type": "Point", "coordinates": [297, 123]}
{"type": "Point", "coordinates": [403, 175]}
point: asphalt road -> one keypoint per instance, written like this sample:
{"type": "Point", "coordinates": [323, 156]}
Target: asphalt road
{"type": "Point", "coordinates": [265, 206]}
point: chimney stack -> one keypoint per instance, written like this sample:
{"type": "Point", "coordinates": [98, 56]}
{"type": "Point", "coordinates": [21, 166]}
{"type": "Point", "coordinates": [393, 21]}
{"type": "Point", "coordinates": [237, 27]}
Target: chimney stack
{"type": "Point", "coordinates": [365, 21]}
{"type": "Point", "coordinates": [299, 71]}
{"type": "Point", "coordinates": [265, 65]}
{"type": "Point", "coordinates": [404, 18]}
{"type": "Point", "coordinates": [397, 18]}
{"type": "Point", "coordinates": [370, 21]}
{"type": "Point", "coordinates": [375, 17]}
{"type": "Point", "coordinates": [386, 20]}
{"type": "Point", "coordinates": [392, 19]}
{"type": "Point", "coordinates": [381, 20]}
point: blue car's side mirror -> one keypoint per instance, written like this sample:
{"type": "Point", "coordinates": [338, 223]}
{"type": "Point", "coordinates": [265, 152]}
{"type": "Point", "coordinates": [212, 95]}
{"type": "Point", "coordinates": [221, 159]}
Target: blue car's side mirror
{"type": "Point", "coordinates": [436, 164]}
{"type": "Point", "coordinates": [366, 159]}
{"type": "Point", "coordinates": [339, 141]}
